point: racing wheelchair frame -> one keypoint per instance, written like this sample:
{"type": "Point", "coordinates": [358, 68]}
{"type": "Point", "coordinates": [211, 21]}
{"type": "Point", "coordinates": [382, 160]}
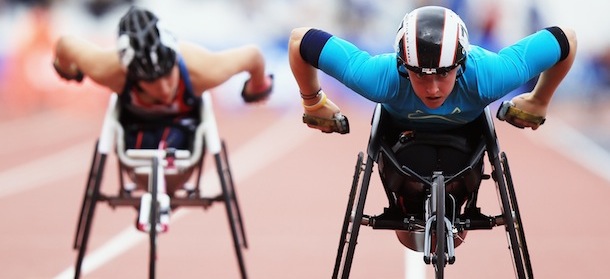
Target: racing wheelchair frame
{"type": "Point", "coordinates": [152, 172]}
{"type": "Point", "coordinates": [441, 229]}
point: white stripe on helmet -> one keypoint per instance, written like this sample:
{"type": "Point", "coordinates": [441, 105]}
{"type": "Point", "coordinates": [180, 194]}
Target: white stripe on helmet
{"type": "Point", "coordinates": [450, 39]}
{"type": "Point", "coordinates": [126, 52]}
{"type": "Point", "coordinates": [410, 39]}
{"type": "Point", "coordinates": [166, 37]}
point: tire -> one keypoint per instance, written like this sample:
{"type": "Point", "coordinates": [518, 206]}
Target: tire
{"type": "Point", "coordinates": [509, 220]}
{"type": "Point", "coordinates": [86, 203]}
{"type": "Point", "coordinates": [439, 260]}
{"type": "Point", "coordinates": [348, 214]}
{"type": "Point", "coordinates": [234, 220]}
{"type": "Point", "coordinates": [233, 196]}
{"type": "Point", "coordinates": [520, 233]}
{"type": "Point", "coordinates": [90, 200]}
{"type": "Point", "coordinates": [356, 221]}
{"type": "Point", "coordinates": [154, 216]}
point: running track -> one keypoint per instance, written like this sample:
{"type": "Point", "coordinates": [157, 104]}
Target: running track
{"type": "Point", "coordinates": [292, 183]}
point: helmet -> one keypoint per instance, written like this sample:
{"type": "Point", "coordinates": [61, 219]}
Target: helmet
{"type": "Point", "coordinates": [431, 40]}
{"type": "Point", "coordinates": [146, 50]}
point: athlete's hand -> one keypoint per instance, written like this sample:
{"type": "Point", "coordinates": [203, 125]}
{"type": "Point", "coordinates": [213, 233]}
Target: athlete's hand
{"type": "Point", "coordinates": [257, 91]}
{"type": "Point", "coordinates": [325, 116]}
{"type": "Point", "coordinates": [72, 74]}
{"type": "Point", "coordinates": [525, 112]}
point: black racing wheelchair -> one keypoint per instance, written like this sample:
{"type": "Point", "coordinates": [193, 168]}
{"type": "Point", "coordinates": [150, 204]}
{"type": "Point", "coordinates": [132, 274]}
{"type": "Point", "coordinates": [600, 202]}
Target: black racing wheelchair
{"type": "Point", "coordinates": [432, 205]}
{"type": "Point", "coordinates": [158, 181]}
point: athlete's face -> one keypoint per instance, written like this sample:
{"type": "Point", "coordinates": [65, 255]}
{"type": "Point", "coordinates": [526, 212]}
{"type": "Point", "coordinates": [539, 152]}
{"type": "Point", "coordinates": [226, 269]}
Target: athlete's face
{"type": "Point", "coordinates": [163, 89]}
{"type": "Point", "coordinates": [433, 90]}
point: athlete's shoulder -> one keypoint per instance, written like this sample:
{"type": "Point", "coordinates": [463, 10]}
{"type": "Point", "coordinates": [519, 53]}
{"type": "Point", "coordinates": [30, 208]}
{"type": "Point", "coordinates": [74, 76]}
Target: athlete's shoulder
{"type": "Point", "coordinates": [477, 52]}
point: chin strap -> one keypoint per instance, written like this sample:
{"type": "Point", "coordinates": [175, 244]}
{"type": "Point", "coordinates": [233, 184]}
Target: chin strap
{"type": "Point", "coordinates": [508, 109]}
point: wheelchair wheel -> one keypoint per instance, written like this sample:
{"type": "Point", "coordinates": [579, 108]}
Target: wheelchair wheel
{"type": "Point", "coordinates": [90, 199]}
{"type": "Point", "coordinates": [233, 210]}
{"type": "Point", "coordinates": [233, 196]}
{"type": "Point", "coordinates": [510, 224]}
{"type": "Point", "coordinates": [153, 217]}
{"type": "Point", "coordinates": [438, 195]}
{"type": "Point", "coordinates": [520, 233]}
{"type": "Point", "coordinates": [349, 233]}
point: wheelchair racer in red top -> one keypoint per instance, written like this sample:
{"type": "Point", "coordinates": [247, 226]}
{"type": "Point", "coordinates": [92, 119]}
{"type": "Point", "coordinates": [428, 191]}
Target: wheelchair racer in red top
{"type": "Point", "coordinates": [434, 82]}
{"type": "Point", "coordinates": [159, 79]}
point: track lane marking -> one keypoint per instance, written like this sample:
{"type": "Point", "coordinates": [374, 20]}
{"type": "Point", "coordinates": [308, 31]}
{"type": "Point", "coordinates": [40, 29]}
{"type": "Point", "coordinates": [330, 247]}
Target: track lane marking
{"type": "Point", "coordinates": [562, 138]}
{"type": "Point", "coordinates": [43, 171]}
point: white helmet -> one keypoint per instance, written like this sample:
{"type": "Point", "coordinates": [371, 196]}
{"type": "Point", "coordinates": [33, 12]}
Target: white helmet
{"type": "Point", "coordinates": [432, 40]}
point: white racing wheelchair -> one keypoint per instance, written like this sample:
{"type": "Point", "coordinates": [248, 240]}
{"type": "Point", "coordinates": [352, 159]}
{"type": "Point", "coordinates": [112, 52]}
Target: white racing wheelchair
{"type": "Point", "coordinates": [157, 181]}
{"type": "Point", "coordinates": [444, 202]}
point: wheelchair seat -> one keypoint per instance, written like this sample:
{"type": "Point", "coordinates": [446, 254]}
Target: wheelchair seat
{"type": "Point", "coordinates": [179, 164]}
{"type": "Point", "coordinates": [407, 160]}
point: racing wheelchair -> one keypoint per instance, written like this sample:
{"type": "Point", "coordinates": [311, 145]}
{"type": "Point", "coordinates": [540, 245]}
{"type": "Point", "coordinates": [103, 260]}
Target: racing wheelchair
{"type": "Point", "coordinates": [431, 209]}
{"type": "Point", "coordinates": [157, 181]}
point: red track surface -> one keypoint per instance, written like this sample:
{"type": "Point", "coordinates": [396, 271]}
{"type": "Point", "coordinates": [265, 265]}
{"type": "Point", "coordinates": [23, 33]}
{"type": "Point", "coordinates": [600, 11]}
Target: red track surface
{"type": "Point", "coordinates": [292, 206]}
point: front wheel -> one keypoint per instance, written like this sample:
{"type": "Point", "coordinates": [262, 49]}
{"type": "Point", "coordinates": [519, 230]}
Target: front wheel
{"type": "Point", "coordinates": [153, 217]}
{"type": "Point", "coordinates": [438, 192]}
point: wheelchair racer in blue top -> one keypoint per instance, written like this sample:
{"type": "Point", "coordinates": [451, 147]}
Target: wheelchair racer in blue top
{"type": "Point", "coordinates": [159, 80]}
{"type": "Point", "coordinates": [434, 83]}
{"type": "Point", "coordinates": [435, 79]}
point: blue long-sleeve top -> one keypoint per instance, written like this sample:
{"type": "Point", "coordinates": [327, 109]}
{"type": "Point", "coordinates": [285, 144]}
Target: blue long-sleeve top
{"type": "Point", "coordinates": [487, 76]}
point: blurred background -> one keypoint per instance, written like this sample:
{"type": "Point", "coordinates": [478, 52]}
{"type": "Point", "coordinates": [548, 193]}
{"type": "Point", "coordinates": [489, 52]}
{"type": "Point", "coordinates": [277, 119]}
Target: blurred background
{"type": "Point", "coordinates": [28, 29]}
{"type": "Point", "coordinates": [47, 127]}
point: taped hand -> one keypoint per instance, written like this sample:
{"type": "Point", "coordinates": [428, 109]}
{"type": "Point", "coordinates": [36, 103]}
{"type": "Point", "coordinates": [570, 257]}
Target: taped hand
{"type": "Point", "coordinates": [510, 113]}
{"type": "Point", "coordinates": [325, 116]}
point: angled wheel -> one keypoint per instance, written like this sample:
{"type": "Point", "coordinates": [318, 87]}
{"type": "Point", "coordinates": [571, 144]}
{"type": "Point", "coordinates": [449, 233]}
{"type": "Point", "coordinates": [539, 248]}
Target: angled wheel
{"type": "Point", "coordinates": [439, 259]}
{"type": "Point", "coordinates": [520, 234]}
{"type": "Point", "coordinates": [233, 195]}
{"type": "Point", "coordinates": [348, 215]}
{"type": "Point", "coordinates": [233, 210]}
{"type": "Point", "coordinates": [90, 199]}
{"type": "Point", "coordinates": [353, 220]}
{"type": "Point", "coordinates": [509, 219]}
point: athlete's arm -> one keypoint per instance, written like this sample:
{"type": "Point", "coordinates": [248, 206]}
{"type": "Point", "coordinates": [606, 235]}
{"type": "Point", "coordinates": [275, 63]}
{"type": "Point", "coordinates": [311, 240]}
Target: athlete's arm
{"type": "Point", "coordinates": [537, 101]}
{"type": "Point", "coordinates": [209, 69]}
{"type": "Point", "coordinates": [320, 112]}
{"type": "Point", "coordinates": [74, 54]}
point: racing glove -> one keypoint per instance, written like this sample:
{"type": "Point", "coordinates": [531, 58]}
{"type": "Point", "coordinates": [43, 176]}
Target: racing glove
{"type": "Point", "coordinates": [337, 124]}
{"type": "Point", "coordinates": [78, 77]}
{"type": "Point", "coordinates": [508, 109]}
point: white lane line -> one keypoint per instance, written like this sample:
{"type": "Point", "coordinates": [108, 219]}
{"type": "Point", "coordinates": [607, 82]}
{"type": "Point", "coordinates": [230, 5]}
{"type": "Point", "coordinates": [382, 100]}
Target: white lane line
{"type": "Point", "coordinates": [415, 268]}
{"type": "Point", "coordinates": [44, 171]}
{"type": "Point", "coordinates": [255, 155]}
{"type": "Point", "coordinates": [574, 145]}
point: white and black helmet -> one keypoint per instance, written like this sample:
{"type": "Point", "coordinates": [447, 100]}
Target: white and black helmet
{"type": "Point", "coordinates": [146, 49]}
{"type": "Point", "coordinates": [431, 40]}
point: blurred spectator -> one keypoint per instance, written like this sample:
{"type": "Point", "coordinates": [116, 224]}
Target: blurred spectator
{"type": "Point", "coordinates": [99, 8]}
{"type": "Point", "coordinates": [595, 80]}
{"type": "Point", "coordinates": [19, 95]}
{"type": "Point", "coordinates": [30, 3]}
